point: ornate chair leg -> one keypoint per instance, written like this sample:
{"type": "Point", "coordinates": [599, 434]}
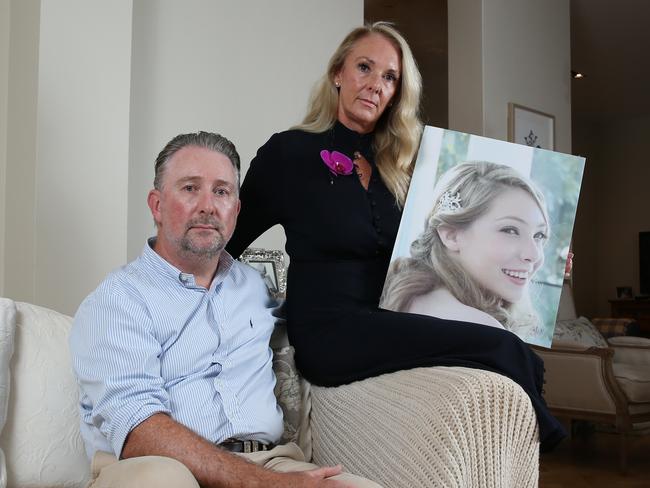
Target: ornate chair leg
{"type": "Point", "coordinates": [623, 452]}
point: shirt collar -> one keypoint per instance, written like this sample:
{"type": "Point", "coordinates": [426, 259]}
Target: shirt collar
{"type": "Point", "coordinates": [160, 264]}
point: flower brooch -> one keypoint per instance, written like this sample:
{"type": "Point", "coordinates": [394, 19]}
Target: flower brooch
{"type": "Point", "coordinates": [338, 163]}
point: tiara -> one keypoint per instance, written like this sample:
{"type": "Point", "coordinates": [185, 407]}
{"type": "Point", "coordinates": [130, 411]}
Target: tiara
{"type": "Point", "coordinates": [449, 202]}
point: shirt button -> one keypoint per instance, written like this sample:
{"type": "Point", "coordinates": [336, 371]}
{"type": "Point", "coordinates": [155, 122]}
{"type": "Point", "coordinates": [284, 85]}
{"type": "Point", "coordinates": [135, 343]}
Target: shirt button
{"type": "Point", "coordinates": [373, 203]}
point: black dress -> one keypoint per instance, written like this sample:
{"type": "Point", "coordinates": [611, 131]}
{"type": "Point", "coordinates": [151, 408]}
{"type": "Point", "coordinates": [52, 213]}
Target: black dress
{"type": "Point", "coordinates": [339, 240]}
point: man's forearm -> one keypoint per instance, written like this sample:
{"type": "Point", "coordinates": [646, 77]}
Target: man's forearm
{"type": "Point", "coordinates": [213, 467]}
{"type": "Point", "coordinates": [160, 435]}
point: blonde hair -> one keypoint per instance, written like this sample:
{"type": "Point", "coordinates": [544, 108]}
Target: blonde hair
{"type": "Point", "coordinates": [430, 267]}
{"type": "Point", "coordinates": [397, 133]}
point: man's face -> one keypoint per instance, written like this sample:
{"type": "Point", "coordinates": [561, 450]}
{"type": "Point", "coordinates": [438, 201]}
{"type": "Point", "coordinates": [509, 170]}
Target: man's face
{"type": "Point", "coordinates": [197, 206]}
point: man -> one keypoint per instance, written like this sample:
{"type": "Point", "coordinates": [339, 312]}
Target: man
{"type": "Point", "coordinates": [172, 350]}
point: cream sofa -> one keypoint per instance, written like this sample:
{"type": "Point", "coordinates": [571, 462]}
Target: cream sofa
{"type": "Point", "coordinates": [451, 427]}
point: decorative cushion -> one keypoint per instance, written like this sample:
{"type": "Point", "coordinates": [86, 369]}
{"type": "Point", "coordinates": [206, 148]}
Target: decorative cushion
{"type": "Point", "coordinates": [292, 391]}
{"type": "Point", "coordinates": [578, 332]}
{"type": "Point", "coordinates": [7, 327]}
{"type": "Point", "coordinates": [41, 438]}
{"type": "Point", "coordinates": [293, 394]}
{"type": "Point", "coordinates": [612, 327]}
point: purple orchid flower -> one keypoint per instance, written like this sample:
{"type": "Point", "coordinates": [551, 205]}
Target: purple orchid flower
{"type": "Point", "coordinates": [338, 163]}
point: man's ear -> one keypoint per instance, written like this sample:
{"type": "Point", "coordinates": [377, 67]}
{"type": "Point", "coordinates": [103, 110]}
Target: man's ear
{"type": "Point", "coordinates": [449, 236]}
{"type": "Point", "coordinates": [153, 200]}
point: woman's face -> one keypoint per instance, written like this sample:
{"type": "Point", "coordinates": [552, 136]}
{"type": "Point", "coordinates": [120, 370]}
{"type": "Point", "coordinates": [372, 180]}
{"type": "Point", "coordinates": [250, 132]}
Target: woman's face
{"type": "Point", "coordinates": [368, 81]}
{"type": "Point", "coordinates": [503, 248]}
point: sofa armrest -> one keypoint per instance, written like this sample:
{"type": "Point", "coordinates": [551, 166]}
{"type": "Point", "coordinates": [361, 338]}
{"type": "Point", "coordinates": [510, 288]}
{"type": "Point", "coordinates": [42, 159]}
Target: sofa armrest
{"type": "Point", "coordinates": [631, 350]}
{"type": "Point", "coordinates": [580, 380]}
{"type": "Point", "coordinates": [41, 439]}
{"type": "Point", "coordinates": [7, 328]}
{"type": "Point", "coordinates": [423, 427]}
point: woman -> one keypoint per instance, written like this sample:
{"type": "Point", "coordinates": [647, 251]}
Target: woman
{"type": "Point", "coordinates": [482, 243]}
{"type": "Point", "coordinates": [341, 218]}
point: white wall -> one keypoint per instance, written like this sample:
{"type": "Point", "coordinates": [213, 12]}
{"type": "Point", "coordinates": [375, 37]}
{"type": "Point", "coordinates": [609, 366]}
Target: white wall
{"type": "Point", "coordinates": [4, 88]}
{"type": "Point", "coordinates": [243, 69]}
{"type": "Point", "coordinates": [18, 201]}
{"type": "Point", "coordinates": [82, 147]}
{"type": "Point", "coordinates": [97, 88]}
{"type": "Point", "coordinates": [524, 49]}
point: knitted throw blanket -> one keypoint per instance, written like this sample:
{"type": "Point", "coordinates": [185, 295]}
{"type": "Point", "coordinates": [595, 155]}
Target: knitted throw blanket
{"type": "Point", "coordinates": [429, 427]}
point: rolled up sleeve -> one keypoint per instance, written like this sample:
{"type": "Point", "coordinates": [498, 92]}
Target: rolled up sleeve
{"type": "Point", "coordinates": [116, 357]}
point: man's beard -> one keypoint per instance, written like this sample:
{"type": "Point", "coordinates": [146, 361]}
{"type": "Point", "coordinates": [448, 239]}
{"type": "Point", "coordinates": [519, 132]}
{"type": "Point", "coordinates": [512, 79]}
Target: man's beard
{"type": "Point", "coordinates": [204, 251]}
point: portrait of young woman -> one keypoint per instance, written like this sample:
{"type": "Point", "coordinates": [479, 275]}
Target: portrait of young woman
{"type": "Point", "coordinates": [480, 244]}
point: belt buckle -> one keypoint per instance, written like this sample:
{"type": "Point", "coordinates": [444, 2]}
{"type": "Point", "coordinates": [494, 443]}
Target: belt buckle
{"type": "Point", "coordinates": [248, 446]}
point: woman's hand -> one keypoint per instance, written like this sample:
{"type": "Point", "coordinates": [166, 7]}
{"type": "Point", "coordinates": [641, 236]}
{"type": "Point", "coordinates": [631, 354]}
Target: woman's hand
{"type": "Point", "coordinates": [568, 267]}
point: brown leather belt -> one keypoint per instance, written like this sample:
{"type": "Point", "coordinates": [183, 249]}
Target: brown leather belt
{"type": "Point", "coordinates": [235, 445]}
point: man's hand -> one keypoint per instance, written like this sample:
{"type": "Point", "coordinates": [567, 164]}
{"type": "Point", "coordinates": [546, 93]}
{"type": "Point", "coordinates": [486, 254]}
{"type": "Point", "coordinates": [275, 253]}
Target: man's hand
{"type": "Point", "coordinates": [316, 478]}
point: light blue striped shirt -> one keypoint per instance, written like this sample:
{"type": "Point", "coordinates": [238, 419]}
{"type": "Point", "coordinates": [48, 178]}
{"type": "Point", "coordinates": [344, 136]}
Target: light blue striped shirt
{"type": "Point", "coordinates": [150, 340]}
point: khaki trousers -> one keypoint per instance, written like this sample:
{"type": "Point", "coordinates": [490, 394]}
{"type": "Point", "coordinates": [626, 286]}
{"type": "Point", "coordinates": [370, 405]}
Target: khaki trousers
{"type": "Point", "coordinates": [163, 472]}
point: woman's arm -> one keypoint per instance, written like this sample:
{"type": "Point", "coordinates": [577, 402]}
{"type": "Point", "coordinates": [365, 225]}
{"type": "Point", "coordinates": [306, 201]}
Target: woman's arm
{"type": "Point", "coordinates": [261, 197]}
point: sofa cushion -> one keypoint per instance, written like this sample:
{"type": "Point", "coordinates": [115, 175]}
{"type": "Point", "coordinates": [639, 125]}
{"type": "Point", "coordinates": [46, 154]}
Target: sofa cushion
{"type": "Point", "coordinates": [7, 327]}
{"type": "Point", "coordinates": [41, 438]}
{"type": "Point", "coordinates": [635, 381]}
{"type": "Point", "coordinates": [578, 332]}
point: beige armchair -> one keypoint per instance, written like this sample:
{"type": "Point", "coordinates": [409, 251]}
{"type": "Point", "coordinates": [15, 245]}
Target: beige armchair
{"type": "Point", "coordinates": [590, 378]}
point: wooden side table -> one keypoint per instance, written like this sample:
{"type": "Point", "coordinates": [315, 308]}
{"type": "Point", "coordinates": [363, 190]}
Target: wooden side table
{"type": "Point", "coordinates": [639, 310]}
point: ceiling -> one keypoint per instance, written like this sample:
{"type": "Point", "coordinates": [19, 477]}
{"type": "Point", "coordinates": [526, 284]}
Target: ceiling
{"type": "Point", "coordinates": [610, 44]}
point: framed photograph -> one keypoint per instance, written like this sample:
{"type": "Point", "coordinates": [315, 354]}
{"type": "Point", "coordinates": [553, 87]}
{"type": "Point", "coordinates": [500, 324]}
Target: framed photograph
{"type": "Point", "coordinates": [270, 265]}
{"type": "Point", "coordinates": [624, 292]}
{"type": "Point", "coordinates": [530, 127]}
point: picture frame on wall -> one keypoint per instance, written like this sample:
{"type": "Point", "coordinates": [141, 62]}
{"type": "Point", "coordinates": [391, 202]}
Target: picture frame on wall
{"type": "Point", "coordinates": [531, 127]}
{"type": "Point", "coordinates": [269, 263]}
